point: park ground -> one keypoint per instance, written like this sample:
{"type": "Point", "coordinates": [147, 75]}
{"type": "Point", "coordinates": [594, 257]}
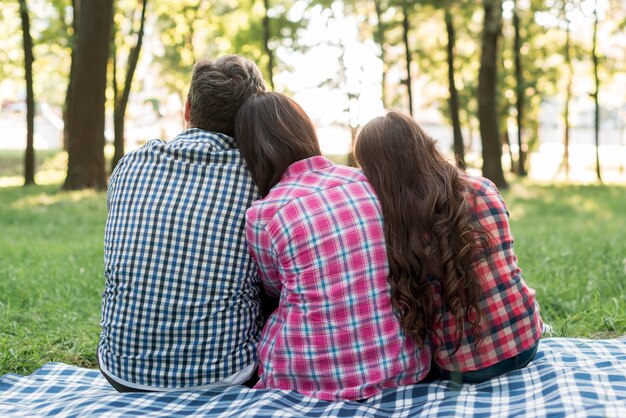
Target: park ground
{"type": "Point", "coordinates": [569, 241]}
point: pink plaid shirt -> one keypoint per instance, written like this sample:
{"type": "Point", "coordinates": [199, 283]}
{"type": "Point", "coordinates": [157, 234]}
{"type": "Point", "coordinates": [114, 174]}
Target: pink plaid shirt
{"type": "Point", "coordinates": [318, 241]}
{"type": "Point", "coordinates": [512, 322]}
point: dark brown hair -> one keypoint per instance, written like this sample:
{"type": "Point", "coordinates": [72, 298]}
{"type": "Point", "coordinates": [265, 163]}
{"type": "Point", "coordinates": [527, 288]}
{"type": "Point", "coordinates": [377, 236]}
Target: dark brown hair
{"type": "Point", "coordinates": [428, 229]}
{"type": "Point", "coordinates": [218, 88]}
{"type": "Point", "coordinates": [272, 132]}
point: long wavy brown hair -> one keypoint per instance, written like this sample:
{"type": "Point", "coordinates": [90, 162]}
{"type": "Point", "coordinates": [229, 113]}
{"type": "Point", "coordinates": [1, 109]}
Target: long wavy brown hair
{"type": "Point", "coordinates": [428, 226]}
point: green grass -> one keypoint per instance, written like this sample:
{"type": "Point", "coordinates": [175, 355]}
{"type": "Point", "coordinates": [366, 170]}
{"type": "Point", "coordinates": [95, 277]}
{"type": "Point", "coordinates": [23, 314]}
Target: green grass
{"type": "Point", "coordinates": [50, 276]}
{"type": "Point", "coordinates": [569, 240]}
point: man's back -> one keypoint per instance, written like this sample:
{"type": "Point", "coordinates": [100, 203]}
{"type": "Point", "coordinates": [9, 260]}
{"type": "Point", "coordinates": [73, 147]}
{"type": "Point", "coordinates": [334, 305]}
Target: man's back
{"type": "Point", "coordinates": [181, 302]}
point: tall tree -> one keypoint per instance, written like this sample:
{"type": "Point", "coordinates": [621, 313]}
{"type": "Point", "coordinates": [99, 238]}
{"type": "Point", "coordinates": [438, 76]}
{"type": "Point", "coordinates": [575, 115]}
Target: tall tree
{"type": "Point", "coordinates": [539, 45]}
{"type": "Point", "coordinates": [459, 148]}
{"type": "Point", "coordinates": [451, 61]}
{"type": "Point", "coordinates": [380, 40]}
{"type": "Point", "coordinates": [520, 91]}
{"type": "Point", "coordinates": [506, 89]}
{"type": "Point", "coordinates": [487, 104]}
{"type": "Point", "coordinates": [594, 56]}
{"type": "Point", "coordinates": [86, 140]}
{"type": "Point", "coordinates": [29, 158]}
{"type": "Point", "coordinates": [568, 89]}
{"type": "Point", "coordinates": [120, 98]}
{"type": "Point", "coordinates": [407, 54]}
{"type": "Point", "coordinates": [68, 95]}
{"type": "Point", "coordinates": [267, 34]}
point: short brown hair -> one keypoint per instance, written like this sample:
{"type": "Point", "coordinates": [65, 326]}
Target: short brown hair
{"type": "Point", "coordinates": [218, 88]}
{"type": "Point", "coordinates": [273, 132]}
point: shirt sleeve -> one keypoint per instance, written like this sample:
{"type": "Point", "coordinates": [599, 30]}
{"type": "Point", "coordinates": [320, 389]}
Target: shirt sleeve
{"type": "Point", "coordinates": [261, 250]}
{"type": "Point", "coordinates": [492, 213]}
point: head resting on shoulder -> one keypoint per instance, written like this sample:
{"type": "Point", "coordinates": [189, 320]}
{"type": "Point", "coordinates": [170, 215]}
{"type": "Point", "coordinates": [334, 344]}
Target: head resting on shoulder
{"type": "Point", "coordinates": [218, 88]}
{"type": "Point", "coordinates": [273, 132]}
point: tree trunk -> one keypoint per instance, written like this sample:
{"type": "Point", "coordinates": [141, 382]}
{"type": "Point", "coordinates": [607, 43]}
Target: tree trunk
{"type": "Point", "coordinates": [29, 157]}
{"type": "Point", "coordinates": [67, 105]}
{"type": "Point", "coordinates": [86, 140]}
{"type": "Point", "coordinates": [407, 55]}
{"type": "Point", "coordinates": [266, 43]}
{"type": "Point", "coordinates": [503, 107]}
{"type": "Point", "coordinates": [520, 90]}
{"type": "Point", "coordinates": [459, 148]}
{"type": "Point", "coordinates": [121, 100]}
{"type": "Point", "coordinates": [68, 95]}
{"type": "Point", "coordinates": [118, 134]}
{"type": "Point", "coordinates": [597, 91]}
{"type": "Point", "coordinates": [505, 139]}
{"type": "Point", "coordinates": [487, 106]}
{"type": "Point", "coordinates": [568, 92]}
{"type": "Point", "coordinates": [379, 38]}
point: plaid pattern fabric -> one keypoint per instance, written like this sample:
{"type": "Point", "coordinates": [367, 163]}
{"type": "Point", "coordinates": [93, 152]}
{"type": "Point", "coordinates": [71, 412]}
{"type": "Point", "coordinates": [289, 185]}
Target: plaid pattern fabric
{"type": "Point", "coordinates": [318, 241]}
{"type": "Point", "coordinates": [512, 323]}
{"type": "Point", "coordinates": [180, 306]}
{"type": "Point", "coordinates": [568, 378]}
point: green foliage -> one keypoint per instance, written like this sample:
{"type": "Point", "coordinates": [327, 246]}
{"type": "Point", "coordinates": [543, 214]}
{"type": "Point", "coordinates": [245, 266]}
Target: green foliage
{"type": "Point", "coordinates": [246, 33]}
{"type": "Point", "coordinates": [11, 52]}
{"type": "Point", "coordinates": [190, 30]}
{"type": "Point", "coordinates": [126, 22]}
{"type": "Point", "coordinates": [178, 24]}
{"type": "Point", "coordinates": [540, 71]}
{"type": "Point", "coordinates": [431, 55]}
{"type": "Point", "coordinates": [49, 29]}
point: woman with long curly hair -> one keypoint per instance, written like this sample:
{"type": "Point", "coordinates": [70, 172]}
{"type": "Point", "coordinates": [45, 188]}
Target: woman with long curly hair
{"type": "Point", "coordinates": [317, 239]}
{"type": "Point", "coordinates": [455, 282]}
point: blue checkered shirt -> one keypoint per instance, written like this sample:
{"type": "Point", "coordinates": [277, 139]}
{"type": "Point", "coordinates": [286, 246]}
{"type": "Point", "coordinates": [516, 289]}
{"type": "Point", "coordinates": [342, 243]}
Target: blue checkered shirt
{"type": "Point", "coordinates": [181, 303]}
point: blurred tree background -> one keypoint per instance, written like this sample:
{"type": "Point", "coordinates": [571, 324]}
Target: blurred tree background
{"type": "Point", "coordinates": [506, 85]}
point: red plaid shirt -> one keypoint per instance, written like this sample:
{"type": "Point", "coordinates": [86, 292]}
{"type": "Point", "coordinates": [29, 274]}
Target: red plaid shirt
{"type": "Point", "coordinates": [318, 241]}
{"type": "Point", "coordinates": [512, 322]}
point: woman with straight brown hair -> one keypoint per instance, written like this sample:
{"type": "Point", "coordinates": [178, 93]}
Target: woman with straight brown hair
{"type": "Point", "coordinates": [453, 272]}
{"type": "Point", "coordinates": [317, 239]}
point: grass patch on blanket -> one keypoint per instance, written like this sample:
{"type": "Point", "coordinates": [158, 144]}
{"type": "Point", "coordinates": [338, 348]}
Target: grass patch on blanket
{"type": "Point", "coordinates": [569, 240]}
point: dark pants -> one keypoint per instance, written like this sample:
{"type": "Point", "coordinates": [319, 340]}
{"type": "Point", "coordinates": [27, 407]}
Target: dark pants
{"type": "Point", "coordinates": [123, 388]}
{"type": "Point", "coordinates": [117, 386]}
{"type": "Point", "coordinates": [477, 376]}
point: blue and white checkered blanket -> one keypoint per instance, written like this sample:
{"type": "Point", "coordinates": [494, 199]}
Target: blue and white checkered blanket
{"type": "Point", "coordinates": [569, 377]}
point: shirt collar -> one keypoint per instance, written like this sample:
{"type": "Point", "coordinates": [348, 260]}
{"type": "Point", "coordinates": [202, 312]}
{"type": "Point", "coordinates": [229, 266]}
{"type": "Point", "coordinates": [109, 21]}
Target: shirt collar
{"type": "Point", "coordinates": [217, 139]}
{"type": "Point", "coordinates": [308, 164]}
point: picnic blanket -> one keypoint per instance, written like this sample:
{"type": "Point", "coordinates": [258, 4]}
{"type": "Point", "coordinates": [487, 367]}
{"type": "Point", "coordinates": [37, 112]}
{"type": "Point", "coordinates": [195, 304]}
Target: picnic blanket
{"type": "Point", "coordinates": [569, 377]}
